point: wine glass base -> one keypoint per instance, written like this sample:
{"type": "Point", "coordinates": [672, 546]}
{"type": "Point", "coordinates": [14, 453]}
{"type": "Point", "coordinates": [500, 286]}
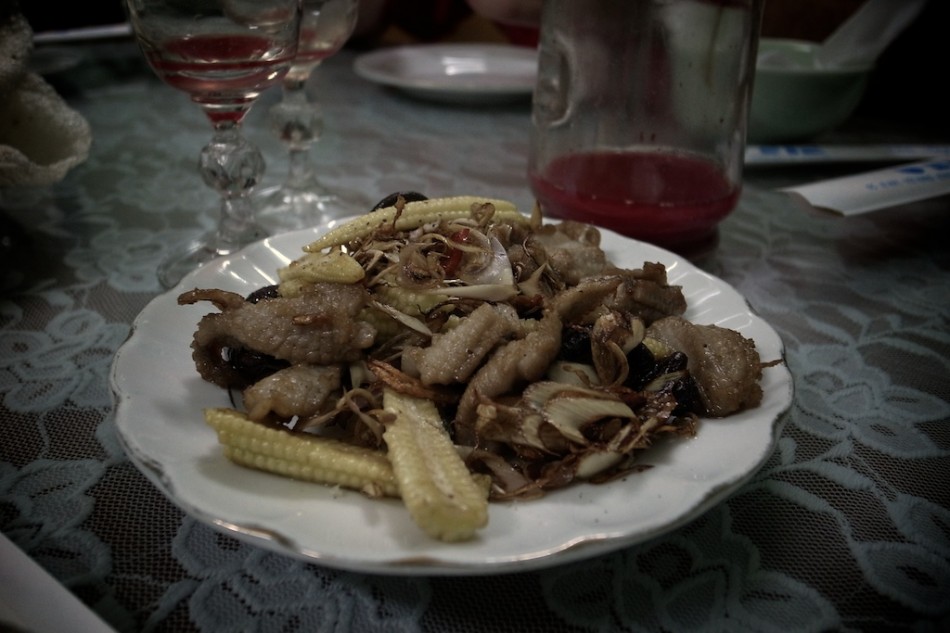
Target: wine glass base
{"type": "Point", "coordinates": [199, 252]}
{"type": "Point", "coordinates": [286, 209]}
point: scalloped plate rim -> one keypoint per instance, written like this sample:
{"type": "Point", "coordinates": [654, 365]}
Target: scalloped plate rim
{"type": "Point", "coordinates": [147, 443]}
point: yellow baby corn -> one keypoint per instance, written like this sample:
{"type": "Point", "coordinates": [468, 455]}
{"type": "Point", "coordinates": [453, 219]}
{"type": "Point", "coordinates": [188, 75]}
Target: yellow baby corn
{"type": "Point", "coordinates": [411, 302]}
{"type": "Point", "coordinates": [436, 486]}
{"type": "Point", "coordinates": [413, 215]}
{"type": "Point", "coordinates": [333, 267]}
{"type": "Point", "coordinates": [299, 456]}
{"type": "Point", "coordinates": [386, 327]}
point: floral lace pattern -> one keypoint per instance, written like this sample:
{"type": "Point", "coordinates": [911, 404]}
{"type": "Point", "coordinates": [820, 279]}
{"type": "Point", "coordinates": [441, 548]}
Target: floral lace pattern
{"type": "Point", "coordinates": [846, 527]}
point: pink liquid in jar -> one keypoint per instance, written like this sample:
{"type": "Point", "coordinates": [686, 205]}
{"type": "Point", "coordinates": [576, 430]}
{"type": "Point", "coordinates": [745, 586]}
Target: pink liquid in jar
{"type": "Point", "coordinates": [670, 199]}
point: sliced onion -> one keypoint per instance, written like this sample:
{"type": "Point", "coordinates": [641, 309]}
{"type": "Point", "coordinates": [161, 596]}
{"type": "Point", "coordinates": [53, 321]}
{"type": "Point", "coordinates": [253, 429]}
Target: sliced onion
{"type": "Point", "coordinates": [510, 483]}
{"type": "Point", "coordinates": [537, 394]}
{"type": "Point", "coordinates": [576, 374]}
{"type": "Point", "coordinates": [495, 268]}
{"type": "Point", "coordinates": [409, 321]}
{"type": "Point", "coordinates": [571, 414]}
{"type": "Point", "coordinates": [511, 425]}
{"type": "Point", "coordinates": [594, 462]}
{"type": "Point", "coordinates": [485, 292]}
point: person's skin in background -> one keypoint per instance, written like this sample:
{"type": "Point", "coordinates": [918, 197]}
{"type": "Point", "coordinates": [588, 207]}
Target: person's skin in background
{"type": "Point", "coordinates": [429, 20]}
{"type": "Point", "coordinates": [803, 19]}
{"type": "Point", "coordinates": [810, 20]}
{"type": "Point", "coordinates": [369, 18]}
{"type": "Point", "coordinates": [515, 12]}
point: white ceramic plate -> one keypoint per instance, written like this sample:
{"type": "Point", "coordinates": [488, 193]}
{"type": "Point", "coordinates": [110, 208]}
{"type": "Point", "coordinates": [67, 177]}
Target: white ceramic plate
{"type": "Point", "coordinates": [459, 73]}
{"type": "Point", "coordinates": [159, 398]}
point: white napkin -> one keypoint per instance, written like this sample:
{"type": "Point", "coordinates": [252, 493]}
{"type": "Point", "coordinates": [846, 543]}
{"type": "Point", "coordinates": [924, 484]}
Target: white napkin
{"type": "Point", "coordinates": [32, 601]}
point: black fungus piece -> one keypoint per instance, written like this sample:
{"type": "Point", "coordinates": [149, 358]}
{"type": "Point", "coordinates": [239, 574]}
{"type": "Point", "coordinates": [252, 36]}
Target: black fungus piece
{"type": "Point", "coordinates": [265, 292]}
{"type": "Point", "coordinates": [251, 366]}
{"type": "Point", "coordinates": [390, 200]}
{"type": "Point", "coordinates": [676, 361]}
{"type": "Point", "coordinates": [642, 367]}
{"type": "Point", "coordinates": [575, 344]}
{"type": "Point", "coordinates": [687, 396]}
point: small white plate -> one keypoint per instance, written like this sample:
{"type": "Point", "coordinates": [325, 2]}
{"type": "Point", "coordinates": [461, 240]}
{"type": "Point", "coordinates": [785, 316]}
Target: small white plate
{"type": "Point", "coordinates": [159, 398]}
{"type": "Point", "coordinates": [455, 73]}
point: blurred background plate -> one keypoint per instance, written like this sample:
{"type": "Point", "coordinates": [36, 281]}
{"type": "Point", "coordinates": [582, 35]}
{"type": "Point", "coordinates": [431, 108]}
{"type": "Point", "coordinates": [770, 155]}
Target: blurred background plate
{"type": "Point", "coordinates": [794, 99]}
{"type": "Point", "coordinates": [454, 73]}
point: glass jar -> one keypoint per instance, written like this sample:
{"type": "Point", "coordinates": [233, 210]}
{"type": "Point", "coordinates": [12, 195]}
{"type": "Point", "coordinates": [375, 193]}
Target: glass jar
{"type": "Point", "coordinates": [639, 114]}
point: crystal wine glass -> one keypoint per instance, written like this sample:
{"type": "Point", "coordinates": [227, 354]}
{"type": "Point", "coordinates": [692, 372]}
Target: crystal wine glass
{"type": "Point", "coordinates": [223, 53]}
{"type": "Point", "coordinates": [301, 200]}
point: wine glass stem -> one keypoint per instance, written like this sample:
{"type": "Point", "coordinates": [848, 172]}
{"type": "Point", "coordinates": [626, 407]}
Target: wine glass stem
{"type": "Point", "coordinates": [232, 166]}
{"type": "Point", "coordinates": [301, 168]}
{"type": "Point", "coordinates": [237, 217]}
{"type": "Point", "coordinates": [302, 126]}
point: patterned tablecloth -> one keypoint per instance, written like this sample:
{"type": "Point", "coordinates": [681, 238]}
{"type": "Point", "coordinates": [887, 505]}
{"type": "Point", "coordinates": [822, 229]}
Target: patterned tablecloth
{"type": "Point", "coordinates": [846, 527]}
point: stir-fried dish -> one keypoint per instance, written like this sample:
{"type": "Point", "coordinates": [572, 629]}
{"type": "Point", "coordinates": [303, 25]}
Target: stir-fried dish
{"type": "Point", "coordinates": [451, 351]}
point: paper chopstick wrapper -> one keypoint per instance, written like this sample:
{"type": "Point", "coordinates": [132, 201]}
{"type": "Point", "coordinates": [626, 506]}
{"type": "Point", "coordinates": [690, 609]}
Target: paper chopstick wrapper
{"type": "Point", "coordinates": [764, 155]}
{"type": "Point", "coordinates": [870, 191]}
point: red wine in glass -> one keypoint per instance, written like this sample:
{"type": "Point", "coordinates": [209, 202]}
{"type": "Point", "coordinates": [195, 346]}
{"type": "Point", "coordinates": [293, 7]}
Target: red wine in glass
{"type": "Point", "coordinates": [224, 55]}
{"type": "Point", "coordinates": [223, 73]}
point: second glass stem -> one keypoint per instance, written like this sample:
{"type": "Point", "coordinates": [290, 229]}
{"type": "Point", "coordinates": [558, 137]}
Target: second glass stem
{"type": "Point", "coordinates": [300, 124]}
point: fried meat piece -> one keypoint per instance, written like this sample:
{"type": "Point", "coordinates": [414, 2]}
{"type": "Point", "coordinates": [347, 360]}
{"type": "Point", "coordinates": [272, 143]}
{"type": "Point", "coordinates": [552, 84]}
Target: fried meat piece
{"type": "Point", "coordinates": [318, 327]}
{"type": "Point", "coordinates": [299, 390]}
{"type": "Point", "coordinates": [454, 355]}
{"type": "Point", "coordinates": [724, 364]}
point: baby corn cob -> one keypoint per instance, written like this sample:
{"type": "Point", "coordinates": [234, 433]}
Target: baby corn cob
{"type": "Point", "coordinates": [413, 215]}
{"type": "Point", "coordinates": [334, 266]}
{"type": "Point", "coordinates": [411, 302]}
{"type": "Point", "coordinates": [436, 486]}
{"type": "Point", "coordinates": [304, 457]}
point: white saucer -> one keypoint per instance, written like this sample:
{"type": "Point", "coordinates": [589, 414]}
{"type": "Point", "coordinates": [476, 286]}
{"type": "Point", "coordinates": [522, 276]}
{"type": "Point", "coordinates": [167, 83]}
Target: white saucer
{"type": "Point", "coordinates": [454, 73]}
